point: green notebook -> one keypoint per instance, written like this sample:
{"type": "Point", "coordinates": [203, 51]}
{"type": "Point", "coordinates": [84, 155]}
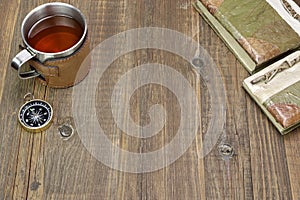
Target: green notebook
{"type": "Point", "coordinates": [258, 32]}
{"type": "Point", "coordinates": [276, 89]}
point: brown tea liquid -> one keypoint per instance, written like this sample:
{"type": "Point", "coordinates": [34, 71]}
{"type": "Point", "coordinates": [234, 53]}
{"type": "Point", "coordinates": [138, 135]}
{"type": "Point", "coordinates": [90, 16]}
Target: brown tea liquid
{"type": "Point", "coordinates": [54, 34]}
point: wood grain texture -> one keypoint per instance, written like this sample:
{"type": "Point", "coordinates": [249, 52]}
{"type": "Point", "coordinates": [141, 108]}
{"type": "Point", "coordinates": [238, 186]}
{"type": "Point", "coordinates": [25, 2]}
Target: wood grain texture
{"type": "Point", "coordinates": [9, 17]}
{"type": "Point", "coordinates": [264, 164]}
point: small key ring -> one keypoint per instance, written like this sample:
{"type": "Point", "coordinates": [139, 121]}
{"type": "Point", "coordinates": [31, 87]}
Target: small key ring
{"type": "Point", "coordinates": [28, 97]}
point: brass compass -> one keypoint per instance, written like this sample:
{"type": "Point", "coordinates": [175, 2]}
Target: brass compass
{"type": "Point", "coordinates": [35, 115]}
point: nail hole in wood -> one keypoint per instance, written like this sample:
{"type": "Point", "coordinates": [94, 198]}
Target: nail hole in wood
{"type": "Point", "coordinates": [226, 150]}
{"type": "Point", "coordinates": [198, 62]}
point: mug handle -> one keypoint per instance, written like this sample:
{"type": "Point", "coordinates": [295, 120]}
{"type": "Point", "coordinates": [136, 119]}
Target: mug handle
{"type": "Point", "coordinates": [21, 58]}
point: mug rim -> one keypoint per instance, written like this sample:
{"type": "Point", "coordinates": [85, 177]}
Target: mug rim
{"type": "Point", "coordinates": [44, 56]}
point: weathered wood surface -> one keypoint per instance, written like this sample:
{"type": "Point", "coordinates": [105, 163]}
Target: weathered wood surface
{"type": "Point", "coordinates": [265, 165]}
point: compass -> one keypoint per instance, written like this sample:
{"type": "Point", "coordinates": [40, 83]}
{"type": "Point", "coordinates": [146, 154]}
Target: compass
{"type": "Point", "coordinates": [35, 115]}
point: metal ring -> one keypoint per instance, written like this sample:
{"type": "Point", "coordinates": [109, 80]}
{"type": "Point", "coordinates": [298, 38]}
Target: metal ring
{"type": "Point", "coordinates": [28, 97]}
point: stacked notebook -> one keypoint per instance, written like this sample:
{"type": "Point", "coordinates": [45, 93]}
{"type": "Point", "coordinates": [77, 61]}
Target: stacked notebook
{"type": "Point", "coordinates": [264, 35]}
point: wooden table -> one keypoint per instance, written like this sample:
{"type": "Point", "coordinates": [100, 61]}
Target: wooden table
{"type": "Point", "coordinates": [264, 164]}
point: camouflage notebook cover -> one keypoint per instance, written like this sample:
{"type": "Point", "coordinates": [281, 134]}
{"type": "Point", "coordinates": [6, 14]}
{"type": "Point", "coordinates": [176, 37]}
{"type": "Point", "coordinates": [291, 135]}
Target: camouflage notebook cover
{"type": "Point", "coordinates": [264, 29]}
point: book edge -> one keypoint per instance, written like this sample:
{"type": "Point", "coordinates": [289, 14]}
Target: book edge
{"type": "Point", "coordinates": [281, 129]}
{"type": "Point", "coordinates": [227, 38]}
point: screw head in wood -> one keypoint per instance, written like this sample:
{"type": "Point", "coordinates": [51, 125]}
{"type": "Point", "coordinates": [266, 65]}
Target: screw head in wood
{"type": "Point", "coordinates": [65, 131]}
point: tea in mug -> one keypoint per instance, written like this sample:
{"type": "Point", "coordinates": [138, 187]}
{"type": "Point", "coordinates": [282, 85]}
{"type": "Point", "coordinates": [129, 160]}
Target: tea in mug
{"type": "Point", "coordinates": [54, 34]}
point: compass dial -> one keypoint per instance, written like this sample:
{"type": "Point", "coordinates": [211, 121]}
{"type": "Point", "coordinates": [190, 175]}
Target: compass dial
{"type": "Point", "coordinates": [35, 115]}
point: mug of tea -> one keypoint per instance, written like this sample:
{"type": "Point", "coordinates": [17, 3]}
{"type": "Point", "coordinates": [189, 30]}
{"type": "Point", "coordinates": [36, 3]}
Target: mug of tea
{"type": "Point", "coordinates": [55, 45]}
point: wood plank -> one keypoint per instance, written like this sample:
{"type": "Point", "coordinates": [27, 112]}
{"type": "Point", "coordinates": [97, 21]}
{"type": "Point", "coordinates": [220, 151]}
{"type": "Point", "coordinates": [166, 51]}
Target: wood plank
{"type": "Point", "coordinates": [173, 181]}
{"type": "Point", "coordinates": [7, 29]}
{"type": "Point", "coordinates": [7, 121]}
{"type": "Point", "coordinates": [36, 180]}
{"type": "Point", "coordinates": [291, 142]}
{"type": "Point", "coordinates": [43, 166]}
{"type": "Point", "coordinates": [16, 143]}
{"type": "Point", "coordinates": [228, 177]}
{"type": "Point", "coordinates": [268, 157]}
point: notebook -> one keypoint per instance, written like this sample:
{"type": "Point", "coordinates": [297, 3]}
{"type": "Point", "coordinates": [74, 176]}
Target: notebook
{"type": "Point", "coordinates": [258, 32]}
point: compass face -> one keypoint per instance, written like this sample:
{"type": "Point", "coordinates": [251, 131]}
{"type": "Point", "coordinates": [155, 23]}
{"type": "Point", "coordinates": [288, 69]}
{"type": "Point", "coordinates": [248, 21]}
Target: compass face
{"type": "Point", "coordinates": [35, 115]}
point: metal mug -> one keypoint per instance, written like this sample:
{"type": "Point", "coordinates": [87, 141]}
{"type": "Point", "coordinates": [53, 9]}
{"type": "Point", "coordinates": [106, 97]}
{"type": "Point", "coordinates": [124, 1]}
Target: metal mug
{"type": "Point", "coordinates": [29, 53]}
